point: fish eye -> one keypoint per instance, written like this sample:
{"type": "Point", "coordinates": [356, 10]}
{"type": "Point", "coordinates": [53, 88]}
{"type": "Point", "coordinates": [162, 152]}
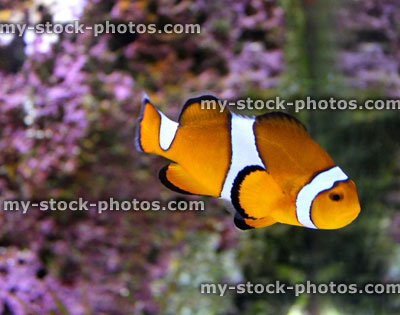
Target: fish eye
{"type": "Point", "coordinates": [336, 196]}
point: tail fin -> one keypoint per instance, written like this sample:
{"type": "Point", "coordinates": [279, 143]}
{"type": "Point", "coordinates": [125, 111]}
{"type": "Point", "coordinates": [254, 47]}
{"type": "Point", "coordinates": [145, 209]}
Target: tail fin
{"type": "Point", "coordinates": [155, 132]}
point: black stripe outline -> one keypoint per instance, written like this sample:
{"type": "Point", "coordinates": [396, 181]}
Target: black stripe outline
{"type": "Point", "coordinates": [138, 145]}
{"type": "Point", "coordinates": [281, 115]}
{"type": "Point", "coordinates": [236, 188]}
{"type": "Point", "coordinates": [194, 100]}
{"type": "Point", "coordinates": [240, 223]}
{"type": "Point", "coordinates": [162, 175]}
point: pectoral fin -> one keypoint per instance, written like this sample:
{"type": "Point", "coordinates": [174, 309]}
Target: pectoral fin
{"type": "Point", "coordinates": [255, 196]}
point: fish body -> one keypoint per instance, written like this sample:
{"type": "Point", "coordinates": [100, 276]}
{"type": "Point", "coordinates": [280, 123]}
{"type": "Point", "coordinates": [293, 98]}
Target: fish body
{"type": "Point", "coordinates": [267, 166]}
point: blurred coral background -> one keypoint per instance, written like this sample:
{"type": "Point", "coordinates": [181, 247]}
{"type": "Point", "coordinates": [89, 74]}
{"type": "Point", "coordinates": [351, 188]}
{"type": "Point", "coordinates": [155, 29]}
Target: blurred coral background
{"type": "Point", "coordinates": [68, 110]}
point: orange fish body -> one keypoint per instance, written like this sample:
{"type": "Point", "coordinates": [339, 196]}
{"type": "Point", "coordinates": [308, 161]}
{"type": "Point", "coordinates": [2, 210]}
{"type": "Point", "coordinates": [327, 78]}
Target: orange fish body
{"type": "Point", "coordinates": [267, 166]}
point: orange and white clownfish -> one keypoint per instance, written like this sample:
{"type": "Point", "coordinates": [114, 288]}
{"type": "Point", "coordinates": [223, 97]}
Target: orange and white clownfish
{"type": "Point", "coordinates": [267, 166]}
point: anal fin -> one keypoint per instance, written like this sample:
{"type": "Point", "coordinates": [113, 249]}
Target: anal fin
{"type": "Point", "coordinates": [174, 177]}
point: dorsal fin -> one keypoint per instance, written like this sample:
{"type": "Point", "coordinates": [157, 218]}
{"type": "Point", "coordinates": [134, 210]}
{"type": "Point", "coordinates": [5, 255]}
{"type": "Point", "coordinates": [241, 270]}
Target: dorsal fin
{"type": "Point", "coordinates": [283, 120]}
{"type": "Point", "coordinates": [202, 108]}
{"type": "Point", "coordinates": [287, 150]}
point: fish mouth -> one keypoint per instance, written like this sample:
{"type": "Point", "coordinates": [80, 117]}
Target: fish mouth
{"type": "Point", "coordinates": [352, 214]}
{"type": "Point", "coordinates": [345, 219]}
{"type": "Point", "coordinates": [349, 217]}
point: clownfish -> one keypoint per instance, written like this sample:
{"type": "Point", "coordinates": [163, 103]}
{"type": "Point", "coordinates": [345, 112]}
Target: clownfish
{"type": "Point", "coordinates": [267, 166]}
